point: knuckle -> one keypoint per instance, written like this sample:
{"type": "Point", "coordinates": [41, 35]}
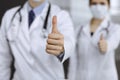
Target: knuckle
{"type": "Point", "coordinates": [101, 44]}
{"type": "Point", "coordinates": [61, 48]}
{"type": "Point", "coordinates": [47, 40]}
{"type": "Point", "coordinates": [47, 50]}
{"type": "Point", "coordinates": [57, 47]}
{"type": "Point", "coordinates": [47, 46]}
{"type": "Point", "coordinates": [61, 36]}
{"type": "Point", "coordinates": [61, 42]}
{"type": "Point", "coordinates": [49, 35]}
{"type": "Point", "coordinates": [57, 52]}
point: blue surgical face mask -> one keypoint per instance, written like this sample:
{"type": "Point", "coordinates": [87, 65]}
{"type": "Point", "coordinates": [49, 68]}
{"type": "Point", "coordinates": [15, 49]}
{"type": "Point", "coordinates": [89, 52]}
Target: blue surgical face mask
{"type": "Point", "coordinates": [99, 11]}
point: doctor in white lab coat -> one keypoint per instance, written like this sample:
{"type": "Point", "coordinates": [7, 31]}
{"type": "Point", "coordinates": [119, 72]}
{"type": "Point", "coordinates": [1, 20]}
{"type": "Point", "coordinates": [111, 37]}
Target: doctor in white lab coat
{"type": "Point", "coordinates": [38, 37]}
{"type": "Point", "coordinates": [94, 58]}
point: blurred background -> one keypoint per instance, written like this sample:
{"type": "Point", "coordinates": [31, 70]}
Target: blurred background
{"type": "Point", "coordinates": [79, 11]}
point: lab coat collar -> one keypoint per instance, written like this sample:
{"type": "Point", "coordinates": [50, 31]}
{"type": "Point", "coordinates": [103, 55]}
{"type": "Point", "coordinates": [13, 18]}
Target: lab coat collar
{"type": "Point", "coordinates": [86, 30]}
{"type": "Point", "coordinates": [39, 20]}
{"type": "Point", "coordinates": [24, 10]}
{"type": "Point", "coordinates": [24, 24]}
{"type": "Point", "coordinates": [105, 22]}
{"type": "Point", "coordinates": [44, 12]}
{"type": "Point", "coordinates": [103, 25]}
{"type": "Point", "coordinates": [37, 10]}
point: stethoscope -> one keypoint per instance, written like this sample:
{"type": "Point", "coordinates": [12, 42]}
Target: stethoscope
{"type": "Point", "coordinates": [44, 30]}
{"type": "Point", "coordinates": [104, 29]}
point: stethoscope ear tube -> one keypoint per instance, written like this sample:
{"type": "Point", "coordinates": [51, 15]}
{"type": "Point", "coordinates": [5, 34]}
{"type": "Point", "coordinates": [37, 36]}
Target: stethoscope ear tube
{"type": "Point", "coordinates": [45, 22]}
{"type": "Point", "coordinates": [18, 11]}
{"type": "Point", "coordinates": [47, 16]}
{"type": "Point", "coordinates": [46, 19]}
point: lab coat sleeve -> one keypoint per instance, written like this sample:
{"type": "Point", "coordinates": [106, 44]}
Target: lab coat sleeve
{"type": "Point", "coordinates": [113, 39]}
{"type": "Point", "coordinates": [5, 56]}
{"type": "Point", "coordinates": [65, 26]}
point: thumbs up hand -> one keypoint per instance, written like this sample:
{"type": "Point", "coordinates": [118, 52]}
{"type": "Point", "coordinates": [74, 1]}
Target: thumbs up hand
{"type": "Point", "coordinates": [102, 44]}
{"type": "Point", "coordinates": [55, 41]}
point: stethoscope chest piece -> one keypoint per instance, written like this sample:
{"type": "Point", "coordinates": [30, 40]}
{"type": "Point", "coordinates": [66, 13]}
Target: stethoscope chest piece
{"type": "Point", "coordinates": [44, 33]}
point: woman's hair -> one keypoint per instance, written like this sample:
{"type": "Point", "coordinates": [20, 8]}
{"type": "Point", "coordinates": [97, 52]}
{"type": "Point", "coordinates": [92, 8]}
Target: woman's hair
{"type": "Point", "coordinates": [107, 0]}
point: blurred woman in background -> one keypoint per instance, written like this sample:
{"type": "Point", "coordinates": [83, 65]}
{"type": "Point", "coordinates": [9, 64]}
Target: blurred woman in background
{"type": "Point", "coordinates": [96, 43]}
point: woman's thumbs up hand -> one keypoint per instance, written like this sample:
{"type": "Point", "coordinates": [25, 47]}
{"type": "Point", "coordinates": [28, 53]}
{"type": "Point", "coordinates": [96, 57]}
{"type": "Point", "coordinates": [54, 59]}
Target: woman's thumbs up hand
{"type": "Point", "coordinates": [102, 44]}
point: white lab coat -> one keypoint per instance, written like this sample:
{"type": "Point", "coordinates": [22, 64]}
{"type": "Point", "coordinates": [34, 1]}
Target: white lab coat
{"type": "Point", "coordinates": [88, 63]}
{"type": "Point", "coordinates": [27, 46]}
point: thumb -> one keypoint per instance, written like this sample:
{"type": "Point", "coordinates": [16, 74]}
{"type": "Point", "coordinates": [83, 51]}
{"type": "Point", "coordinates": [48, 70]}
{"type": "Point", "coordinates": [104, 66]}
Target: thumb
{"type": "Point", "coordinates": [54, 25]}
{"type": "Point", "coordinates": [101, 37]}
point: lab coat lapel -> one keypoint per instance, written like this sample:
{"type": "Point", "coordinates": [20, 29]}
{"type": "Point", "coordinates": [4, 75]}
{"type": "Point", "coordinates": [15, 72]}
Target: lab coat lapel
{"type": "Point", "coordinates": [24, 44]}
{"type": "Point", "coordinates": [39, 20]}
{"type": "Point", "coordinates": [102, 26]}
{"type": "Point", "coordinates": [24, 23]}
{"type": "Point", "coordinates": [86, 30]}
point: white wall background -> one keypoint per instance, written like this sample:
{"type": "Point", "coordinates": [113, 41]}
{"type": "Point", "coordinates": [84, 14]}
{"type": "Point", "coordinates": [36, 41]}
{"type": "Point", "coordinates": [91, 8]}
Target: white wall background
{"type": "Point", "coordinates": [65, 4]}
{"type": "Point", "coordinates": [79, 9]}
